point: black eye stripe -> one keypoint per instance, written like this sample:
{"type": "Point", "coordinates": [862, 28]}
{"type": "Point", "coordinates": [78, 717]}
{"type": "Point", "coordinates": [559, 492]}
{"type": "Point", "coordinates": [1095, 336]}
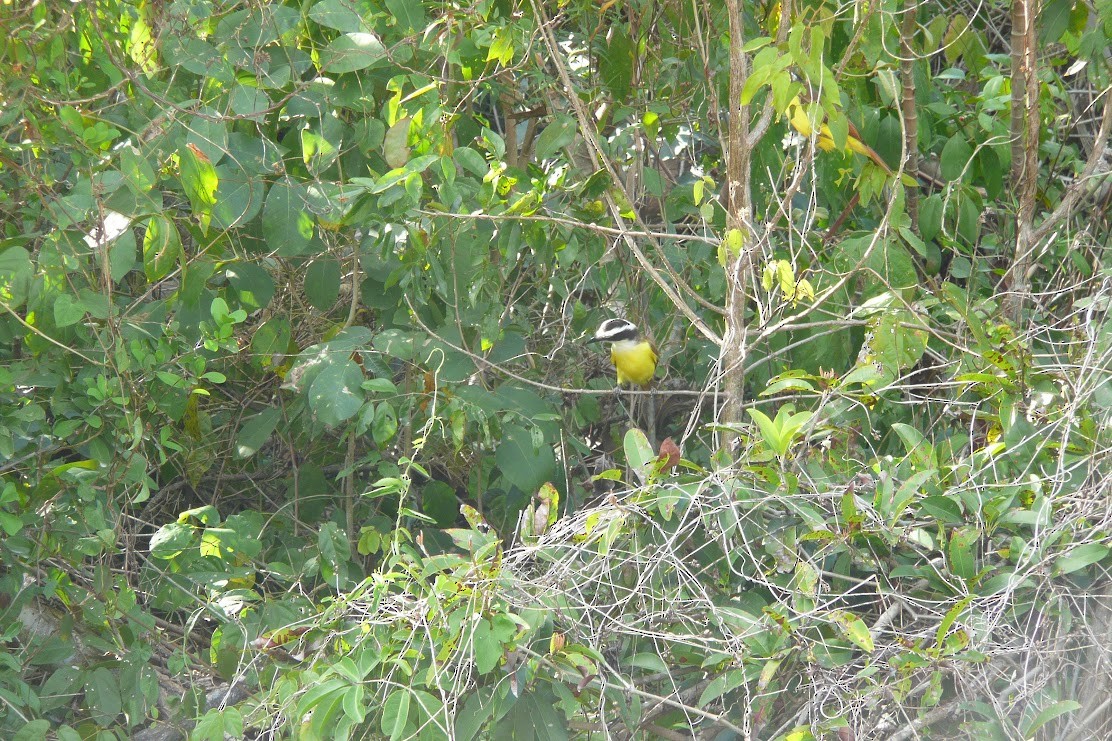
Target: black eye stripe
{"type": "Point", "coordinates": [615, 330]}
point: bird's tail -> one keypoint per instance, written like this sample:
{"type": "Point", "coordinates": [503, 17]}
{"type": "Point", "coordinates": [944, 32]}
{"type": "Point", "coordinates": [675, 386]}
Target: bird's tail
{"type": "Point", "coordinates": [866, 151]}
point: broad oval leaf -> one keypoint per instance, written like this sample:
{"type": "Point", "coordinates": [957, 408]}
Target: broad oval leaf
{"type": "Point", "coordinates": [955, 157]}
{"type": "Point", "coordinates": [16, 270]}
{"type": "Point", "coordinates": [557, 135]}
{"type": "Point", "coordinates": [336, 394]}
{"type": "Point", "coordinates": [853, 628]}
{"type": "Point", "coordinates": [322, 283]}
{"type": "Point", "coordinates": [351, 52]}
{"type": "Point", "coordinates": [256, 431]}
{"type": "Point", "coordinates": [287, 224]}
{"type": "Point", "coordinates": [161, 248]}
{"type": "Point", "coordinates": [395, 146]}
{"type": "Point", "coordinates": [342, 15]}
{"type": "Point", "coordinates": [395, 713]}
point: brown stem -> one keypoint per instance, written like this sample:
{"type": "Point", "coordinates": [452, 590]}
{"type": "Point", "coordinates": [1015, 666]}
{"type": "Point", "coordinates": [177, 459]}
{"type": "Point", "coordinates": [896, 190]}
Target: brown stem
{"type": "Point", "coordinates": [907, 108]}
{"type": "Point", "coordinates": [1075, 190]}
{"type": "Point", "coordinates": [837, 225]}
{"type": "Point", "coordinates": [739, 208]}
{"type": "Point", "coordinates": [1025, 146]}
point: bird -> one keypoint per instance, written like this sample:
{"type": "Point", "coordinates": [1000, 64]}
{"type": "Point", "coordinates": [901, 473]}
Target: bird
{"type": "Point", "coordinates": [801, 122]}
{"type": "Point", "coordinates": [633, 356]}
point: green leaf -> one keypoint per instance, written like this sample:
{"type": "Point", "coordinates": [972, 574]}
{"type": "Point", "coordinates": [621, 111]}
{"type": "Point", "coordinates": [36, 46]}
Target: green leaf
{"type": "Point", "coordinates": [336, 394]}
{"type": "Point", "coordinates": [395, 713]}
{"type": "Point", "coordinates": [616, 61]}
{"type": "Point", "coordinates": [239, 196]}
{"type": "Point", "coordinates": [67, 733]}
{"type": "Point", "coordinates": [533, 718]}
{"type": "Point", "coordinates": [15, 276]}
{"type": "Point", "coordinates": [474, 712]}
{"type": "Point", "coordinates": [908, 490]}
{"type": "Point", "coordinates": [380, 386]}
{"type": "Point", "coordinates": [1080, 557]}
{"type": "Point", "coordinates": [969, 221]}
{"type": "Point", "coordinates": [854, 628]}
{"type": "Point", "coordinates": [761, 72]}
{"type": "Point", "coordinates": [287, 224]}
{"type": "Point", "coordinates": [349, 339]}
{"type": "Point", "coordinates": [209, 728]}
{"type": "Point", "coordinates": [68, 310]}
{"type": "Point", "coordinates": [963, 561]}
{"type": "Point", "coordinates": [342, 15]}
{"type": "Point", "coordinates": [951, 616]}
{"type": "Point", "coordinates": [395, 147]}
{"type": "Point", "coordinates": [930, 217]}
{"type": "Point", "coordinates": [409, 15]}
{"type": "Point", "coordinates": [322, 283]}
{"type": "Point", "coordinates": [171, 539]}
{"type": "Point", "coordinates": [1054, 20]}
{"type": "Point", "coordinates": [487, 649]}
{"type": "Point", "coordinates": [161, 248]}
{"type": "Point", "coordinates": [208, 134]}
{"type": "Point", "coordinates": [1049, 713]}
{"type": "Point", "coordinates": [648, 661]}
{"type": "Point", "coordinates": [992, 174]}
{"type": "Point", "coordinates": [138, 171]}
{"type": "Point", "coordinates": [196, 56]}
{"type": "Point", "coordinates": [222, 313]}
{"type": "Point", "coordinates": [326, 714]}
{"type": "Point", "coordinates": [911, 239]}
{"type": "Point", "coordinates": [334, 547]}
{"type": "Point", "coordinates": [919, 450]}
{"type": "Point", "coordinates": [943, 509]}
{"type": "Point", "coordinates": [501, 47]}
{"type": "Point", "coordinates": [639, 454]}
{"type": "Point", "coordinates": [271, 341]}
{"type": "Point", "coordinates": [439, 501]}
{"type": "Point", "coordinates": [121, 256]}
{"type": "Point", "coordinates": [555, 137]}
{"type": "Point", "coordinates": [769, 432]}
{"type": "Point", "coordinates": [231, 723]}
{"type": "Point", "coordinates": [247, 100]}
{"type": "Point", "coordinates": [35, 730]}
{"type": "Point", "coordinates": [720, 685]}
{"type": "Point", "coordinates": [470, 160]}
{"type": "Point", "coordinates": [955, 157]}
{"type": "Point", "coordinates": [355, 704]}
{"type": "Point", "coordinates": [887, 257]}
{"type": "Point", "coordinates": [523, 465]}
{"type": "Point", "coordinates": [352, 51]}
{"type": "Point", "coordinates": [256, 431]}
{"type": "Point", "coordinates": [198, 177]}
{"type": "Point", "coordinates": [102, 696]}
{"type": "Point", "coordinates": [838, 124]}
{"type": "Point", "coordinates": [788, 384]}
{"type": "Point", "coordinates": [252, 284]}
{"type": "Point", "coordinates": [385, 424]}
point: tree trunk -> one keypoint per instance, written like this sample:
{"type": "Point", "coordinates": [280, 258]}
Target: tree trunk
{"type": "Point", "coordinates": [1025, 148]}
{"type": "Point", "coordinates": [739, 210]}
{"type": "Point", "coordinates": [907, 108]}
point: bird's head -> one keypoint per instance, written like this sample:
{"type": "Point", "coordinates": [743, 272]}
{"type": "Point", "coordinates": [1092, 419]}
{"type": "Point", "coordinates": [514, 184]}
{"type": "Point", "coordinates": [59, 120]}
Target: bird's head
{"type": "Point", "coordinates": [615, 330]}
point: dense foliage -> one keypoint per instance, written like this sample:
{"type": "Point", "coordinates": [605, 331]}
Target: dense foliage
{"type": "Point", "coordinates": [298, 437]}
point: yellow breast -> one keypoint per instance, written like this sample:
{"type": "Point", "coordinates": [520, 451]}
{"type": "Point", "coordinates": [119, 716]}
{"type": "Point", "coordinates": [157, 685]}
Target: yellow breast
{"type": "Point", "coordinates": [802, 123]}
{"type": "Point", "coordinates": [635, 362]}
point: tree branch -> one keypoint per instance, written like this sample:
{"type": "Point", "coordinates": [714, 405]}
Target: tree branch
{"type": "Point", "coordinates": [1077, 188]}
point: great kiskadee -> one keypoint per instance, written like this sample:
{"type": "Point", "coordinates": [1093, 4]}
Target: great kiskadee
{"type": "Point", "coordinates": [633, 357]}
{"type": "Point", "coordinates": [801, 122]}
